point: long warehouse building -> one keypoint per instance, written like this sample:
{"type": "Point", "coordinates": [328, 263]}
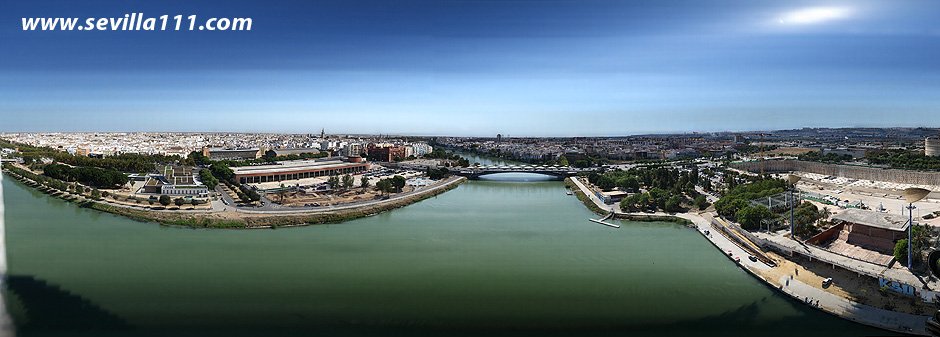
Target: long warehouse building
{"type": "Point", "coordinates": [300, 169]}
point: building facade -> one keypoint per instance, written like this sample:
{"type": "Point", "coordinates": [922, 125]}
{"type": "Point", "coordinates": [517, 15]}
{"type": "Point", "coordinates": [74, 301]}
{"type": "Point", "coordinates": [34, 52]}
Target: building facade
{"type": "Point", "coordinates": [294, 170]}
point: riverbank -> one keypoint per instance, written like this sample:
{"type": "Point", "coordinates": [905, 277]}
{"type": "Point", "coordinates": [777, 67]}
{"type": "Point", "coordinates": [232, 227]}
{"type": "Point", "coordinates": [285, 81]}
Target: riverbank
{"type": "Point", "coordinates": [775, 277]}
{"type": "Point", "coordinates": [240, 219]}
{"type": "Point", "coordinates": [597, 206]}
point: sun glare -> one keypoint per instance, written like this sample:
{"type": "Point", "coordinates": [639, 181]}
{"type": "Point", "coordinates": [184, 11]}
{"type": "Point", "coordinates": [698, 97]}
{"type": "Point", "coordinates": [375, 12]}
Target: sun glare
{"type": "Point", "coordinates": [814, 15]}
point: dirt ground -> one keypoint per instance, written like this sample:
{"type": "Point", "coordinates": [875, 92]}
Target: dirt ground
{"type": "Point", "coordinates": [329, 198]}
{"type": "Point", "coordinates": [858, 288]}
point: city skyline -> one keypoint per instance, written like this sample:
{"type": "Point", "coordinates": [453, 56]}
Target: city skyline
{"type": "Point", "coordinates": [480, 68]}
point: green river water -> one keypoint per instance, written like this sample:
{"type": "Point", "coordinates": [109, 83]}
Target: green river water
{"type": "Point", "coordinates": [487, 258]}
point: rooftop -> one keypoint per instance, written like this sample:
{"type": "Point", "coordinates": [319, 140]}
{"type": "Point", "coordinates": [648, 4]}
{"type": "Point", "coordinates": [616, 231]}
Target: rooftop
{"type": "Point", "coordinates": [887, 221]}
{"type": "Point", "coordinates": [290, 166]}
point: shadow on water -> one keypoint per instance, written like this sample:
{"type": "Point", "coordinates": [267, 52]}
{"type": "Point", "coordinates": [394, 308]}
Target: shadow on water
{"type": "Point", "coordinates": [51, 311]}
{"type": "Point", "coordinates": [50, 308]}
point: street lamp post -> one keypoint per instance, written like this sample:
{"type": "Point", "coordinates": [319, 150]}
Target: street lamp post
{"type": "Point", "coordinates": [792, 180]}
{"type": "Point", "coordinates": [912, 195]}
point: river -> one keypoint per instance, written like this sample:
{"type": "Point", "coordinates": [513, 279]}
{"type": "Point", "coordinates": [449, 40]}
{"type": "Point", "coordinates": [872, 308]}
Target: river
{"type": "Point", "coordinates": [502, 257]}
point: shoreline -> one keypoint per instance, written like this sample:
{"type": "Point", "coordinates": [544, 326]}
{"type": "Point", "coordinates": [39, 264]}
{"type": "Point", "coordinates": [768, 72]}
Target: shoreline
{"type": "Point", "coordinates": [242, 220]}
{"type": "Point", "coordinates": [835, 305]}
{"type": "Point", "coordinates": [592, 205]}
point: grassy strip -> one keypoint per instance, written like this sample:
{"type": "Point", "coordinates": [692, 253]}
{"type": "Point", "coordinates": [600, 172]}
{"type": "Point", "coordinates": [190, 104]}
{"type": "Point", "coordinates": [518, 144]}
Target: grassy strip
{"type": "Point", "coordinates": [584, 198]}
{"type": "Point", "coordinates": [655, 218]}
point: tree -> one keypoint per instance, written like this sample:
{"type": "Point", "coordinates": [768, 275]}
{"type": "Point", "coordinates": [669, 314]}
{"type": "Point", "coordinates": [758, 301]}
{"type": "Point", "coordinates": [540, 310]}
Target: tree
{"type": "Point", "coordinates": [364, 182]}
{"type": "Point", "coordinates": [253, 195]}
{"type": "Point", "coordinates": [700, 202]}
{"type": "Point", "coordinates": [165, 200]}
{"type": "Point", "coordinates": [208, 179]}
{"type": "Point", "coordinates": [384, 186]}
{"type": "Point", "coordinates": [900, 251]}
{"type": "Point", "coordinates": [437, 173]}
{"type": "Point", "coordinates": [825, 213]}
{"type": "Point", "coordinates": [179, 202]}
{"type": "Point", "coordinates": [97, 177]}
{"type": "Point", "coordinates": [606, 183]}
{"type": "Point", "coordinates": [673, 204]}
{"type": "Point", "coordinates": [194, 202]}
{"type": "Point", "coordinates": [222, 172]}
{"type": "Point", "coordinates": [95, 194]}
{"type": "Point", "coordinates": [333, 181]}
{"type": "Point", "coordinates": [398, 182]}
{"type": "Point", "coordinates": [730, 206]}
{"type": "Point", "coordinates": [806, 215]}
{"type": "Point", "coordinates": [563, 161]}
{"type": "Point", "coordinates": [629, 183]}
{"type": "Point", "coordinates": [921, 236]}
{"type": "Point", "coordinates": [582, 163]}
{"type": "Point", "coordinates": [281, 192]}
{"type": "Point", "coordinates": [348, 181]}
{"type": "Point", "coordinates": [751, 216]}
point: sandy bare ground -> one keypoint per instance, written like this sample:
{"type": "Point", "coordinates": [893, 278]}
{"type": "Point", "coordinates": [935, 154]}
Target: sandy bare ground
{"type": "Point", "coordinates": [845, 284]}
{"type": "Point", "coordinates": [328, 198]}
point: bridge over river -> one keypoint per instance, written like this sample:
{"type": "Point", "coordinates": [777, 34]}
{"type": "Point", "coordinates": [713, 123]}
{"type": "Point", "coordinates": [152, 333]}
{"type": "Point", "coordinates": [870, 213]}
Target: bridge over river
{"type": "Point", "coordinates": [561, 172]}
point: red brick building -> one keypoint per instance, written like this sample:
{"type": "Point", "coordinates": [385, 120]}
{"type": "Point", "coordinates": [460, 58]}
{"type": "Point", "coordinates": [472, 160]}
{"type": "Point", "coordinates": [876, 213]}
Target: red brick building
{"type": "Point", "coordinates": [386, 154]}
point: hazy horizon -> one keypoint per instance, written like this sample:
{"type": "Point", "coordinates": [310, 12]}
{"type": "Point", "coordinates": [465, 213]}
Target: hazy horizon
{"type": "Point", "coordinates": [328, 133]}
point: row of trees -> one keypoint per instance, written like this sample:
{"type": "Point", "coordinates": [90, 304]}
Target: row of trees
{"type": "Point", "coordinates": [438, 153]}
{"type": "Point", "coordinates": [245, 193]}
{"type": "Point", "coordinates": [438, 173]}
{"type": "Point", "coordinates": [165, 200]}
{"type": "Point", "coordinates": [831, 158]}
{"type": "Point", "coordinates": [387, 185]}
{"type": "Point", "coordinates": [346, 182]}
{"type": "Point", "coordinates": [655, 199]}
{"type": "Point", "coordinates": [667, 188]}
{"type": "Point", "coordinates": [92, 176]}
{"type": "Point", "coordinates": [903, 159]}
{"type": "Point", "coordinates": [129, 162]}
{"type": "Point", "coordinates": [208, 179]}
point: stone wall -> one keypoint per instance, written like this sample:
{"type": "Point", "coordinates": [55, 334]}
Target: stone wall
{"type": "Point", "coordinates": [848, 171]}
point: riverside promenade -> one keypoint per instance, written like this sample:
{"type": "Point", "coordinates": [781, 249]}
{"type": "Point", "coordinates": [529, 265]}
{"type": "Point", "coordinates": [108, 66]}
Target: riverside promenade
{"type": "Point", "coordinates": [786, 284]}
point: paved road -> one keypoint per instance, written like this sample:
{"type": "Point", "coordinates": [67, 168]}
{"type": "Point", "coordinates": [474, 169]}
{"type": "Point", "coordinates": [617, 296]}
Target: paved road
{"type": "Point", "coordinates": [597, 201]}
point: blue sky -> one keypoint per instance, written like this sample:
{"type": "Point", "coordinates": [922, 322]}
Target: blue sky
{"type": "Point", "coordinates": [534, 68]}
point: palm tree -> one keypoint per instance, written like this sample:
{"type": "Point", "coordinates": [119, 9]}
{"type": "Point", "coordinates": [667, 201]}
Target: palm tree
{"type": "Point", "coordinates": [824, 213]}
{"type": "Point", "coordinates": [280, 194]}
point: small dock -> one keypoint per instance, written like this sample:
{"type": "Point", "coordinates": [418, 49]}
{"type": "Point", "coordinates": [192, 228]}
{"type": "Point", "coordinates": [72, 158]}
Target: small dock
{"type": "Point", "coordinates": [603, 221]}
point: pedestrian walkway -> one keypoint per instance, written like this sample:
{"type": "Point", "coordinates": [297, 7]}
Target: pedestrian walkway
{"type": "Point", "coordinates": [886, 319]}
{"type": "Point", "coordinates": [831, 303]}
